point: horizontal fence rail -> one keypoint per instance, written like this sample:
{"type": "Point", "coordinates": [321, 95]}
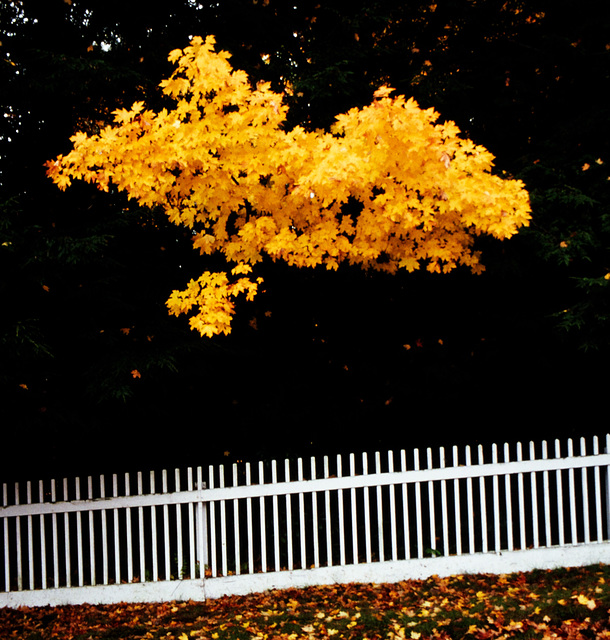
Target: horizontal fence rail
{"type": "Point", "coordinates": [195, 535]}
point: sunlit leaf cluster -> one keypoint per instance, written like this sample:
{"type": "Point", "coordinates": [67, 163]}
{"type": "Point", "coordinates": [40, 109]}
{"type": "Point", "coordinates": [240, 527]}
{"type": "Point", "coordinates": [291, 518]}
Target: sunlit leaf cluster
{"type": "Point", "coordinates": [386, 188]}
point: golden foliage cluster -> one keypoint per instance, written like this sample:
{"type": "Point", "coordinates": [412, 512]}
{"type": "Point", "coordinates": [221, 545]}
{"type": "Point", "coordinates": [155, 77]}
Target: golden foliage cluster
{"type": "Point", "coordinates": [387, 188]}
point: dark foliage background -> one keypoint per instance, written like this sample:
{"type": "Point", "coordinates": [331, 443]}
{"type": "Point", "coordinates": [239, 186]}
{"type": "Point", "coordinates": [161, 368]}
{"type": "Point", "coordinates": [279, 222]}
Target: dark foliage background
{"type": "Point", "coordinates": [321, 362]}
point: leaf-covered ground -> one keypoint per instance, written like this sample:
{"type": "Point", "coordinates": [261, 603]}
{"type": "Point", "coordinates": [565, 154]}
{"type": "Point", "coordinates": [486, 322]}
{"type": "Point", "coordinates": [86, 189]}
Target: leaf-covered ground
{"type": "Point", "coordinates": [564, 603]}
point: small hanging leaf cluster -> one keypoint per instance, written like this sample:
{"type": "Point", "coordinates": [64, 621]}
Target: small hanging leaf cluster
{"type": "Point", "coordinates": [386, 188]}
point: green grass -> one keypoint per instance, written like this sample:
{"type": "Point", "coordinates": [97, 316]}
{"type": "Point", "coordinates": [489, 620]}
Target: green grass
{"type": "Point", "coordinates": [563, 603]}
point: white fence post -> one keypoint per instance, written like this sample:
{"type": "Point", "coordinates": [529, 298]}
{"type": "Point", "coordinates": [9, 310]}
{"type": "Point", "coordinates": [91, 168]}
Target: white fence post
{"type": "Point", "coordinates": [607, 449]}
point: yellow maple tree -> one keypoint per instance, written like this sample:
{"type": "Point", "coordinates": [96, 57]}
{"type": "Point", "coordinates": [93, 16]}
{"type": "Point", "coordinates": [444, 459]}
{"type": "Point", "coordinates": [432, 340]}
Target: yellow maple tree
{"type": "Point", "coordinates": [223, 163]}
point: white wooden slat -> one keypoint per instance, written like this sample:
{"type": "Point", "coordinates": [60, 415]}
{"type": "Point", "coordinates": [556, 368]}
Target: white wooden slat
{"type": "Point", "coordinates": [166, 538]}
{"type": "Point", "coordinates": [341, 515]}
{"type": "Point", "coordinates": [249, 523]}
{"type": "Point", "coordinates": [418, 508]}
{"type": "Point", "coordinates": [405, 507]}
{"type": "Point", "coordinates": [7, 566]}
{"type": "Point", "coordinates": [314, 506]}
{"type": "Point", "coordinates": [607, 474]}
{"type": "Point", "coordinates": [521, 499]}
{"type": "Point", "coordinates": [367, 512]}
{"type": "Point", "coordinates": [496, 500]}
{"type": "Point", "coordinates": [509, 502]}
{"type": "Point", "coordinates": [560, 516]}
{"type": "Point", "coordinates": [236, 540]}
{"type": "Point", "coordinates": [191, 527]}
{"type": "Point", "coordinates": [470, 504]}
{"type": "Point", "coordinates": [18, 543]}
{"type": "Point", "coordinates": [54, 539]}
{"type": "Point", "coordinates": [213, 537]}
{"type": "Point", "coordinates": [67, 549]}
{"type": "Point", "coordinates": [289, 537]}
{"type": "Point", "coordinates": [329, 560]}
{"type": "Point", "coordinates": [141, 556]}
{"type": "Point", "coordinates": [153, 533]}
{"type": "Point", "coordinates": [79, 539]}
{"type": "Point", "coordinates": [179, 542]}
{"type": "Point", "coordinates": [302, 516]}
{"type": "Point", "coordinates": [483, 503]}
{"type": "Point", "coordinates": [128, 533]}
{"type": "Point", "coordinates": [203, 531]}
{"type": "Point", "coordinates": [444, 508]}
{"type": "Point", "coordinates": [546, 498]}
{"type": "Point", "coordinates": [457, 504]}
{"type": "Point", "coordinates": [104, 535]}
{"type": "Point", "coordinates": [572, 496]}
{"type": "Point", "coordinates": [585, 495]}
{"type": "Point", "coordinates": [352, 473]}
{"type": "Point", "coordinates": [117, 539]}
{"type": "Point", "coordinates": [263, 528]}
{"type": "Point", "coordinates": [28, 492]}
{"type": "Point", "coordinates": [379, 503]}
{"type": "Point", "coordinates": [223, 524]}
{"type": "Point", "coordinates": [598, 494]}
{"type": "Point", "coordinates": [393, 523]}
{"type": "Point", "coordinates": [92, 572]}
{"type": "Point", "coordinates": [276, 520]}
{"type": "Point", "coordinates": [534, 496]}
{"type": "Point", "coordinates": [431, 503]}
{"type": "Point", "coordinates": [43, 540]}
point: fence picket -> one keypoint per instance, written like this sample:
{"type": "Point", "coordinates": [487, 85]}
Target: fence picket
{"type": "Point", "coordinates": [130, 560]}
{"type": "Point", "coordinates": [469, 503]}
{"type": "Point", "coordinates": [444, 507]}
{"type": "Point", "coordinates": [54, 539]}
{"type": "Point", "coordinates": [67, 550]}
{"type": "Point", "coordinates": [7, 566]}
{"type": "Point", "coordinates": [179, 548]}
{"type": "Point", "coordinates": [509, 502]}
{"type": "Point", "coordinates": [341, 515]}
{"type": "Point", "coordinates": [117, 544]}
{"type": "Point", "coordinates": [104, 535]}
{"type": "Point", "coordinates": [289, 538]}
{"type": "Point", "coordinates": [379, 509]}
{"type": "Point", "coordinates": [249, 521]}
{"type": "Point", "coordinates": [302, 516]}
{"type": "Point", "coordinates": [598, 492]}
{"type": "Point", "coordinates": [352, 473]}
{"type": "Point", "coordinates": [393, 525]}
{"type": "Point", "coordinates": [236, 525]}
{"type": "Point", "coordinates": [585, 495]}
{"type": "Point", "coordinates": [431, 506]}
{"type": "Point", "coordinates": [457, 506]}
{"type": "Point", "coordinates": [418, 509]}
{"type": "Point", "coordinates": [534, 498]}
{"type": "Point", "coordinates": [201, 559]}
{"type": "Point", "coordinates": [276, 520]}
{"type": "Point", "coordinates": [367, 512]}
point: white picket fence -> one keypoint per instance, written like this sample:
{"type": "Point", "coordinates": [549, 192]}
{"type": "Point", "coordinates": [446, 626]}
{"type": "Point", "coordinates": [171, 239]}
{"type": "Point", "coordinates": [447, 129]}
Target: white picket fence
{"type": "Point", "coordinates": [185, 536]}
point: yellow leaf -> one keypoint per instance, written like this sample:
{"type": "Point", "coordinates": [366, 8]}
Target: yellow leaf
{"type": "Point", "coordinates": [581, 599]}
{"type": "Point", "coordinates": [383, 92]}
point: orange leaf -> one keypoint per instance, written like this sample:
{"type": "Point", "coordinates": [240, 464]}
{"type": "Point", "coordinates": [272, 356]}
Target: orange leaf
{"type": "Point", "coordinates": [136, 374]}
